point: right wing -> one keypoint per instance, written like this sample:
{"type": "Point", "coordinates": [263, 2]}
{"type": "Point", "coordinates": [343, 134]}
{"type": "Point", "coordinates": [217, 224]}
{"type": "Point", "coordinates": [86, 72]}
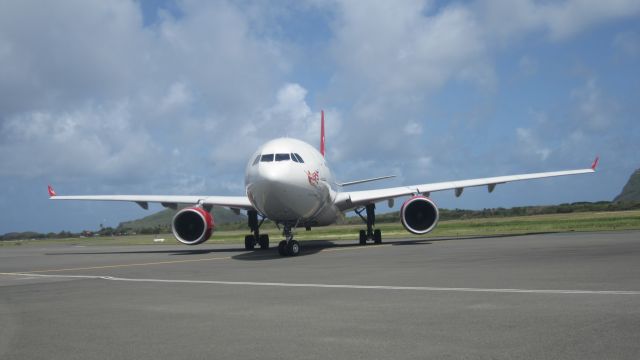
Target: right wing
{"type": "Point", "coordinates": [170, 201]}
{"type": "Point", "coordinates": [353, 199]}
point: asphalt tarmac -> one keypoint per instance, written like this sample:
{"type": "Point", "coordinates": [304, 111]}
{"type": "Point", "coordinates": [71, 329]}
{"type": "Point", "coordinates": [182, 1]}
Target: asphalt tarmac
{"type": "Point", "coordinates": [554, 296]}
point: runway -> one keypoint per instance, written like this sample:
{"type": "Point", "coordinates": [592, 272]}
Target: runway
{"type": "Point", "coordinates": [561, 296]}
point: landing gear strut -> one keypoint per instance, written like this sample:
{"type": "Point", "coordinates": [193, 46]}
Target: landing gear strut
{"type": "Point", "coordinates": [370, 220]}
{"type": "Point", "coordinates": [250, 241]}
{"type": "Point", "coordinates": [288, 247]}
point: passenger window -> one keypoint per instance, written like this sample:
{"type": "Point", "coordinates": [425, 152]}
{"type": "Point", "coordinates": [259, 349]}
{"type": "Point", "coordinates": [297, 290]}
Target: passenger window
{"type": "Point", "coordinates": [294, 158]}
{"type": "Point", "coordinates": [256, 160]}
{"type": "Point", "coordinates": [266, 158]}
{"type": "Point", "coordinates": [299, 157]}
{"type": "Point", "coordinates": [282, 157]}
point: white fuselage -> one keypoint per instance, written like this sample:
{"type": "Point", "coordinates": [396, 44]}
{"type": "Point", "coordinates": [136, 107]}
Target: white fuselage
{"type": "Point", "coordinates": [288, 181]}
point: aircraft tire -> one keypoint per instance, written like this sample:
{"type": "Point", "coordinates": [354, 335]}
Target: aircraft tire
{"type": "Point", "coordinates": [377, 236]}
{"type": "Point", "coordinates": [249, 242]}
{"type": "Point", "coordinates": [293, 248]}
{"type": "Point", "coordinates": [363, 237]}
{"type": "Point", "coordinates": [282, 245]}
{"type": "Point", "coordinates": [263, 240]}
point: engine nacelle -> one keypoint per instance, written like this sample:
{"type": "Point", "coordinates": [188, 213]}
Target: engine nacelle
{"type": "Point", "coordinates": [419, 215]}
{"type": "Point", "coordinates": [192, 226]}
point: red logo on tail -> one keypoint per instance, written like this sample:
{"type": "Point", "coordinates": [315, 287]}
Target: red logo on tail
{"type": "Point", "coordinates": [51, 191]}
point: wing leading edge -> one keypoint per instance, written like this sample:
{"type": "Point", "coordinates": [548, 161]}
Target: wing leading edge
{"type": "Point", "coordinates": [352, 199]}
{"type": "Point", "coordinates": [170, 201]}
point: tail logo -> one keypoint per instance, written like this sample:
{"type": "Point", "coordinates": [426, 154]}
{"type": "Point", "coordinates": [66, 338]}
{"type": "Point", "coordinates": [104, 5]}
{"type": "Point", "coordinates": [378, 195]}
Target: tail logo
{"type": "Point", "coordinates": [51, 191]}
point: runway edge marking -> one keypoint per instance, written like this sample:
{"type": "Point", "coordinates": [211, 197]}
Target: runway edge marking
{"type": "Point", "coordinates": [339, 286]}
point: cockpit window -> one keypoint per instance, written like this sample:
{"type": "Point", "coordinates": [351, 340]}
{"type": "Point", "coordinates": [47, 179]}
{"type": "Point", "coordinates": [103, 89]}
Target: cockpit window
{"type": "Point", "coordinates": [299, 158]}
{"type": "Point", "coordinates": [294, 158]}
{"type": "Point", "coordinates": [256, 160]}
{"type": "Point", "coordinates": [282, 157]}
{"type": "Point", "coordinates": [266, 158]}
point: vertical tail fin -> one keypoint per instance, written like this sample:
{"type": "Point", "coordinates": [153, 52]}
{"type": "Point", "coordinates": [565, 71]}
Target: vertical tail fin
{"type": "Point", "coordinates": [322, 132]}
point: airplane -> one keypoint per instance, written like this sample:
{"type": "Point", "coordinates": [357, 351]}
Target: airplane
{"type": "Point", "coordinates": [289, 182]}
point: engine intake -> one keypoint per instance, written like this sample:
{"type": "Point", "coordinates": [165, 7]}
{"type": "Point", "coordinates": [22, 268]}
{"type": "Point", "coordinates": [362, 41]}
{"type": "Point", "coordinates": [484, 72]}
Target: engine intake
{"type": "Point", "coordinates": [192, 226]}
{"type": "Point", "coordinates": [419, 215]}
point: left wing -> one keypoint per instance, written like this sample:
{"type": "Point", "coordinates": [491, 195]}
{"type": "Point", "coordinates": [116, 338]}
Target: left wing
{"type": "Point", "coordinates": [170, 201]}
{"type": "Point", "coordinates": [352, 199]}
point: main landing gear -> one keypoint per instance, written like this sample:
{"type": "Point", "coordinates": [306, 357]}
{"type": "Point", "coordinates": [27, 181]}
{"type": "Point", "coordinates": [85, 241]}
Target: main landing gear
{"type": "Point", "coordinates": [288, 247]}
{"type": "Point", "coordinates": [250, 241]}
{"type": "Point", "coordinates": [370, 220]}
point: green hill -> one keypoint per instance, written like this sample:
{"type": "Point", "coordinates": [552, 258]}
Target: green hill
{"type": "Point", "coordinates": [631, 191]}
{"type": "Point", "coordinates": [162, 220]}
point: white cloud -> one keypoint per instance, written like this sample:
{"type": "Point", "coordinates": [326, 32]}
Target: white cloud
{"type": "Point", "coordinates": [61, 54]}
{"type": "Point", "coordinates": [289, 116]}
{"type": "Point", "coordinates": [528, 65]}
{"type": "Point", "coordinates": [393, 47]}
{"type": "Point", "coordinates": [391, 57]}
{"type": "Point", "coordinates": [593, 108]}
{"type": "Point", "coordinates": [627, 44]}
{"type": "Point", "coordinates": [529, 144]}
{"type": "Point", "coordinates": [91, 141]}
{"type": "Point", "coordinates": [509, 19]}
{"type": "Point", "coordinates": [99, 92]}
{"type": "Point", "coordinates": [413, 128]}
{"type": "Point", "coordinates": [178, 96]}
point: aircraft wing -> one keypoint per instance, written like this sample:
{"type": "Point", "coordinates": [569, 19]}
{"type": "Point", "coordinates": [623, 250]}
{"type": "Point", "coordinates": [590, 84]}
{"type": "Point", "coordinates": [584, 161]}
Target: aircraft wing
{"type": "Point", "coordinates": [353, 199]}
{"type": "Point", "coordinates": [170, 201]}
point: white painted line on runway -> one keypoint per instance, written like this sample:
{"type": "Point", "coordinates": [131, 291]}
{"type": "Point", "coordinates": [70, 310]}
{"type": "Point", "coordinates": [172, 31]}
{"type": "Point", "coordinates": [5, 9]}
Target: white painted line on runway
{"type": "Point", "coordinates": [339, 286]}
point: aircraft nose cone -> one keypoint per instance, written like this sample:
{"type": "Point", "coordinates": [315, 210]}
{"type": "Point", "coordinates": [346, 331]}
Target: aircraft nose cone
{"type": "Point", "coordinates": [272, 175]}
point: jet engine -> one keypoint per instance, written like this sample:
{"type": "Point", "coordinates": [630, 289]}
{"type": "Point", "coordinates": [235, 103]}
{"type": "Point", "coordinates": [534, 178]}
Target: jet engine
{"type": "Point", "coordinates": [419, 215]}
{"type": "Point", "coordinates": [192, 226]}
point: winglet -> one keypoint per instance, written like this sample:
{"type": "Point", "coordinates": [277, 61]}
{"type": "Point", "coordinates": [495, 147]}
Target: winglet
{"type": "Point", "coordinates": [52, 192]}
{"type": "Point", "coordinates": [322, 132]}
{"type": "Point", "coordinates": [595, 163]}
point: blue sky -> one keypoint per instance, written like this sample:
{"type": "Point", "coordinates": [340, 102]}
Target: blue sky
{"type": "Point", "coordinates": [171, 97]}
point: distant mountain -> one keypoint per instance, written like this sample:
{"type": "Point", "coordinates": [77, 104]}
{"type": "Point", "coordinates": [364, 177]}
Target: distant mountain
{"type": "Point", "coordinates": [162, 219]}
{"type": "Point", "coordinates": [631, 191]}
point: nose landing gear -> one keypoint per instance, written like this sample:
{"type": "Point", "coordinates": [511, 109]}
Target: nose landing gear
{"type": "Point", "coordinates": [250, 241]}
{"type": "Point", "coordinates": [370, 220]}
{"type": "Point", "coordinates": [288, 247]}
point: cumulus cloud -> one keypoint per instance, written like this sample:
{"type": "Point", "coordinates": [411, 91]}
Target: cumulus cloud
{"type": "Point", "coordinates": [529, 144]}
{"type": "Point", "coordinates": [395, 47]}
{"type": "Point", "coordinates": [289, 116]}
{"type": "Point", "coordinates": [178, 96]}
{"type": "Point", "coordinates": [88, 141]}
{"type": "Point", "coordinates": [104, 93]}
{"type": "Point", "coordinates": [390, 59]}
{"type": "Point", "coordinates": [627, 45]}
{"type": "Point", "coordinates": [55, 58]}
{"type": "Point", "coordinates": [527, 65]}
{"type": "Point", "coordinates": [413, 128]}
{"type": "Point", "coordinates": [509, 19]}
{"type": "Point", "coordinates": [593, 108]}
